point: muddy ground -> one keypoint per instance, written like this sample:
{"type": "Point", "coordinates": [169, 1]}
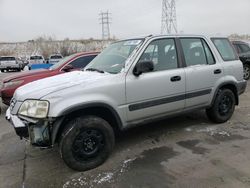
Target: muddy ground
{"type": "Point", "coordinates": [186, 151]}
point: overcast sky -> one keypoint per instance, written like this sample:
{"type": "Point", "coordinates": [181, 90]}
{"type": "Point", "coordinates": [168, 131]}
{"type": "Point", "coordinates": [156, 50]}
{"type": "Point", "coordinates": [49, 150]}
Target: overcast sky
{"type": "Point", "coordinates": [22, 20]}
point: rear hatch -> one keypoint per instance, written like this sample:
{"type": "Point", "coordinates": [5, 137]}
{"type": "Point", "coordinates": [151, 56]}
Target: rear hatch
{"type": "Point", "coordinates": [8, 61]}
{"type": "Point", "coordinates": [36, 60]}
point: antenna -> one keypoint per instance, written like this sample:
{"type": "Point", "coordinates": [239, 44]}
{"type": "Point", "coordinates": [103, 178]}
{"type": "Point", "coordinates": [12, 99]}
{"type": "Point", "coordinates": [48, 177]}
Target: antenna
{"type": "Point", "coordinates": [105, 22]}
{"type": "Point", "coordinates": [168, 20]}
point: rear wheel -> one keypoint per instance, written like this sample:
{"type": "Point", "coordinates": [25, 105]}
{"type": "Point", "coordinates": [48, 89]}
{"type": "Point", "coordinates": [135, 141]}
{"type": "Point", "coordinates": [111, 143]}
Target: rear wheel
{"type": "Point", "coordinates": [223, 107]}
{"type": "Point", "coordinates": [246, 72]}
{"type": "Point", "coordinates": [86, 142]}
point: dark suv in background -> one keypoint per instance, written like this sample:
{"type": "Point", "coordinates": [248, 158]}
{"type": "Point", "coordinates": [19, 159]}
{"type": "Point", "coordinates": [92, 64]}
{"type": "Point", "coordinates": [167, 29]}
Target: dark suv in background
{"type": "Point", "coordinates": [243, 51]}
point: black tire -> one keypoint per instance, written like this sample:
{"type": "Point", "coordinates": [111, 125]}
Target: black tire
{"type": "Point", "coordinates": [2, 70]}
{"type": "Point", "coordinates": [86, 142]}
{"type": "Point", "coordinates": [246, 72]}
{"type": "Point", "coordinates": [223, 106]}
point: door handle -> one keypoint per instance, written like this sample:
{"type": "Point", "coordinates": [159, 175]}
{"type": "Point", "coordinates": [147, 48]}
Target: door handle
{"type": "Point", "coordinates": [217, 71]}
{"type": "Point", "coordinates": [175, 78]}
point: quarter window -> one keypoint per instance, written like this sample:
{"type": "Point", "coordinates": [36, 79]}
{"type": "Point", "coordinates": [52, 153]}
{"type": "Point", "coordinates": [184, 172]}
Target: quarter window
{"type": "Point", "coordinates": [196, 52]}
{"type": "Point", "coordinates": [225, 49]}
{"type": "Point", "coordinates": [163, 54]}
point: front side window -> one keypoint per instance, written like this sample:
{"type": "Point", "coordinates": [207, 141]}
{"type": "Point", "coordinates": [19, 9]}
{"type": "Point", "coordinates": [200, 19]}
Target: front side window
{"type": "Point", "coordinates": [82, 62]}
{"type": "Point", "coordinates": [225, 49]}
{"type": "Point", "coordinates": [162, 53]}
{"type": "Point", "coordinates": [196, 52]}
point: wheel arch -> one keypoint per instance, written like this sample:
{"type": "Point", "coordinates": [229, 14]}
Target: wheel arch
{"type": "Point", "coordinates": [102, 110]}
{"type": "Point", "coordinates": [228, 85]}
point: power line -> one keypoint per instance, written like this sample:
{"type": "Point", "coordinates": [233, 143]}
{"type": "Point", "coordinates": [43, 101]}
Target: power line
{"type": "Point", "coordinates": [105, 22]}
{"type": "Point", "coordinates": [168, 20]}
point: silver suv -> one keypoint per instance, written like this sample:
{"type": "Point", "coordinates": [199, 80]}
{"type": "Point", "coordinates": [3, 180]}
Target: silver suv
{"type": "Point", "coordinates": [131, 82]}
{"type": "Point", "coordinates": [9, 63]}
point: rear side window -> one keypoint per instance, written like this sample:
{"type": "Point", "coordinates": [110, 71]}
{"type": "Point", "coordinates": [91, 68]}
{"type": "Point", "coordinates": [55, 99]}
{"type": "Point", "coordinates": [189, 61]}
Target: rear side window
{"type": "Point", "coordinates": [225, 49]}
{"type": "Point", "coordinates": [196, 52]}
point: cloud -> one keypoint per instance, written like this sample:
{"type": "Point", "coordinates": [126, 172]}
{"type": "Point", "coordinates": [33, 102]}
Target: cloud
{"type": "Point", "coordinates": [22, 20]}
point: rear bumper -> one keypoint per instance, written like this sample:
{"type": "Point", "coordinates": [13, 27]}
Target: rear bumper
{"type": "Point", "coordinates": [242, 86]}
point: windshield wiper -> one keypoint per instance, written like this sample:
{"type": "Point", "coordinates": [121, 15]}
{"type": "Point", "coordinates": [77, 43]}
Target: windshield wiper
{"type": "Point", "coordinates": [94, 69]}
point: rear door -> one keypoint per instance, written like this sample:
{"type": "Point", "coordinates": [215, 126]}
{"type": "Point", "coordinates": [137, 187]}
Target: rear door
{"type": "Point", "coordinates": [161, 91]}
{"type": "Point", "coordinates": [202, 71]}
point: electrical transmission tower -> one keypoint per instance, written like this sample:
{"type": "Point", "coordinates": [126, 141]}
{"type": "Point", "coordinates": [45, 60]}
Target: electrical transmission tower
{"type": "Point", "coordinates": [105, 22]}
{"type": "Point", "coordinates": [168, 21]}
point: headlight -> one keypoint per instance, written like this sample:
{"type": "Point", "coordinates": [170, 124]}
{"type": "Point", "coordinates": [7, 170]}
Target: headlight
{"type": "Point", "coordinates": [34, 109]}
{"type": "Point", "coordinates": [12, 84]}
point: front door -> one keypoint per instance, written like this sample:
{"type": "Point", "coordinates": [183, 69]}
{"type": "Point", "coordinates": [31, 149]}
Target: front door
{"type": "Point", "coordinates": [161, 91]}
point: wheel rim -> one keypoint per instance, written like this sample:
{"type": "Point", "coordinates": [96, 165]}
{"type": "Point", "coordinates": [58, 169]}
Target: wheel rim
{"type": "Point", "coordinates": [87, 144]}
{"type": "Point", "coordinates": [246, 72]}
{"type": "Point", "coordinates": [225, 105]}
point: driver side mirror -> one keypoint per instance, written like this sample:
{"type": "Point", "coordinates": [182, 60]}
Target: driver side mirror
{"type": "Point", "coordinates": [68, 68]}
{"type": "Point", "coordinates": [143, 67]}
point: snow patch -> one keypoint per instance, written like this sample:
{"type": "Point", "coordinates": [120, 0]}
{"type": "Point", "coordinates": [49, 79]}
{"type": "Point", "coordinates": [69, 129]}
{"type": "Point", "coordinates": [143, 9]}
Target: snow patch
{"type": "Point", "coordinates": [212, 131]}
{"type": "Point", "coordinates": [105, 177]}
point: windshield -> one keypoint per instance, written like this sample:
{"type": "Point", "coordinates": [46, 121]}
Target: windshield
{"type": "Point", "coordinates": [7, 59]}
{"type": "Point", "coordinates": [61, 62]}
{"type": "Point", "coordinates": [35, 57]}
{"type": "Point", "coordinates": [113, 58]}
{"type": "Point", "coordinates": [56, 57]}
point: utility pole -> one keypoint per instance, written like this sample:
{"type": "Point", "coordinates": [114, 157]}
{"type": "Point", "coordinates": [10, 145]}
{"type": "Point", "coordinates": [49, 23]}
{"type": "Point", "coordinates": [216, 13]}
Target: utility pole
{"type": "Point", "coordinates": [105, 22]}
{"type": "Point", "coordinates": [168, 20]}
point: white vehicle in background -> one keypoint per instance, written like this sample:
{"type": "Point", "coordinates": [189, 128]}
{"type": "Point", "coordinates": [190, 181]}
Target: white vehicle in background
{"type": "Point", "coordinates": [55, 58]}
{"type": "Point", "coordinates": [9, 63]}
{"type": "Point", "coordinates": [36, 59]}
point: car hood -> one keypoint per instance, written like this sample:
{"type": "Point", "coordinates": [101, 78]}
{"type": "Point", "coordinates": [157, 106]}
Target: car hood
{"type": "Point", "coordinates": [22, 75]}
{"type": "Point", "coordinates": [46, 86]}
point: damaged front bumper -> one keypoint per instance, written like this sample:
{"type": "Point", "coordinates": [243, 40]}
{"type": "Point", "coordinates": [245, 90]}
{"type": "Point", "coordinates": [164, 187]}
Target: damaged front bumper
{"type": "Point", "coordinates": [38, 132]}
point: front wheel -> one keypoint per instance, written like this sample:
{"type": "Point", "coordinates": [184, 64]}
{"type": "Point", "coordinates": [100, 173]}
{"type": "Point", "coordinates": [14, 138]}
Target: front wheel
{"type": "Point", "coordinates": [246, 72]}
{"type": "Point", "coordinates": [223, 106]}
{"type": "Point", "coordinates": [86, 142]}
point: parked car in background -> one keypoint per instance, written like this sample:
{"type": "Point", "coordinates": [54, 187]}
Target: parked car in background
{"type": "Point", "coordinates": [243, 50]}
{"type": "Point", "coordinates": [36, 59]}
{"type": "Point", "coordinates": [70, 63]}
{"type": "Point", "coordinates": [53, 59]}
{"type": "Point", "coordinates": [130, 83]}
{"type": "Point", "coordinates": [8, 63]}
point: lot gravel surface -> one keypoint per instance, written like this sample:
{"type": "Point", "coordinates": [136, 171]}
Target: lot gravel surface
{"type": "Point", "coordinates": [185, 151]}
